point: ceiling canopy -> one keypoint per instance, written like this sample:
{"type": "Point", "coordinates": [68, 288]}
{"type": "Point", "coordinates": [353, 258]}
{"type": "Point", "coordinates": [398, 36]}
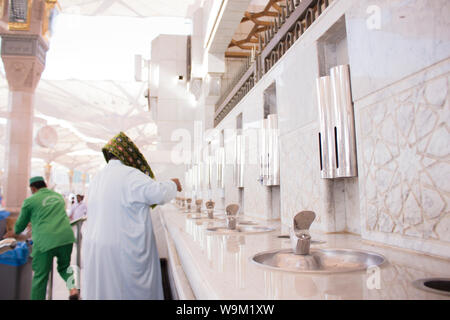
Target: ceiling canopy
{"type": "Point", "coordinates": [88, 92]}
{"type": "Point", "coordinates": [130, 8]}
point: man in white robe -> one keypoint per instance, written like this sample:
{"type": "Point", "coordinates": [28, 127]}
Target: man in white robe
{"type": "Point", "coordinates": [79, 210]}
{"type": "Point", "coordinates": [119, 254]}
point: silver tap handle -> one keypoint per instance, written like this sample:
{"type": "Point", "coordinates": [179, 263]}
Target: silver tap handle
{"type": "Point", "coordinates": [303, 220]}
{"type": "Point", "coordinates": [232, 209]}
{"type": "Point", "coordinates": [209, 204]}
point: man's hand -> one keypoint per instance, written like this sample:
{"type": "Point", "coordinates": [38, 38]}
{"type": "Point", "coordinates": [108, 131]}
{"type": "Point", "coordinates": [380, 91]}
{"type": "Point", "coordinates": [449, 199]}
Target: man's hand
{"type": "Point", "coordinates": [10, 234]}
{"type": "Point", "coordinates": [177, 182]}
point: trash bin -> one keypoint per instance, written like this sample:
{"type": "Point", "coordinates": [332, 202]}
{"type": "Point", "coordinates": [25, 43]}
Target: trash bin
{"type": "Point", "coordinates": [15, 273]}
{"type": "Point", "coordinates": [3, 215]}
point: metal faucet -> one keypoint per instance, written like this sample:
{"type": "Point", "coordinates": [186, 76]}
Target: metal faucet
{"type": "Point", "coordinates": [210, 208]}
{"type": "Point", "coordinates": [231, 215]}
{"type": "Point", "coordinates": [299, 233]}
{"type": "Point", "coordinates": [188, 205]}
{"type": "Point", "coordinates": [198, 204]}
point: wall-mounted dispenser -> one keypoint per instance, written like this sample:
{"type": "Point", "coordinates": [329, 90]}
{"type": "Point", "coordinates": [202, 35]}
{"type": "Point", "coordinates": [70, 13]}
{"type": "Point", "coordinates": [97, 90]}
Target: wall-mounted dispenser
{"type": "Point", "coordinates": [207, 174]}
{"type": "Point", "coordinates": [189, 176]}
{"type": "Point", "coordinates": [196, 179]}
{"type": "Point", "coordinates": [345, 124]}
{"type": "Point", "coordinates": [203, 178]}
{"type": "Point", "coordinates": [326, 134]}
{"type": "Point", "coordinates": [239, 160]}
{"type": "Point", "coordinates": [187, 181]}
{"type": "Point", "coordinates": [239, 154]}
{"type": "Point", "coordinates": [220, 167]}
{"type": "Point", "coordinates": [337, 144]}
{"type": "Point", "coordinates": [201, 171]}
{"type": "Point", "coordinates": [269, 152]}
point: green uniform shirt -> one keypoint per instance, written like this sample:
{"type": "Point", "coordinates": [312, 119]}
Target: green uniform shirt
{"type": "Point", "coordinates": [50, 224]}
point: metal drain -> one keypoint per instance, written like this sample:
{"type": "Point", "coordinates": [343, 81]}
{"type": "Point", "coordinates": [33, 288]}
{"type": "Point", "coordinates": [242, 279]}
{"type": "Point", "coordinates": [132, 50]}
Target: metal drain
{"type": "Point", "coordinates": [435, 285]}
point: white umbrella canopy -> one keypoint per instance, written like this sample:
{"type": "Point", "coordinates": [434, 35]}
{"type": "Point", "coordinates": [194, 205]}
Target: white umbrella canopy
{"type": "Point", "coordinates": [67, 142]}
{"type": "Point", "coordinates": [97, 109]}
{"type": "Point", "coordinates": [130, 8]}
{"type": "Point", "coordinates": [114, 96]}
{"type": "Point", "coordinates": [143, 135]}
{"type": "Point", "coordinates": [111, 124]}
{"type": "Point", "coordinates": [87, 114]}
{"type": "Point", "coordinates": [95, 146]}
{"type": "Point", "coordinates": [93, 166]}
{"type": "Point", "coordinates": [80, 162]}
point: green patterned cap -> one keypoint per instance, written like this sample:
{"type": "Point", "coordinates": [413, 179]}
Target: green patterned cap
{"type": "Point", "coordinates": [126, 151]}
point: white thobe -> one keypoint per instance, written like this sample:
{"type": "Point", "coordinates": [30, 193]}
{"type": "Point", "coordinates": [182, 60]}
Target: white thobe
{"type": "Point", "coordinates": [119, 254]}
{"type": "Point", "coordinates": [78, 211]}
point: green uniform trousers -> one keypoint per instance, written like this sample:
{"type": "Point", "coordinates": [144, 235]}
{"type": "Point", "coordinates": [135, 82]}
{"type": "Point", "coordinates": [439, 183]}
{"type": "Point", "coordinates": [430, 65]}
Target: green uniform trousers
{"type": "Point", "coordinates": [42, 265]}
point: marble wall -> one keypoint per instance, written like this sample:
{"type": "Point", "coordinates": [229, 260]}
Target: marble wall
{"type": "Point", "coordinates": [389, 40]}
{"type": "Point", "coordinates": [400, 82]}
{"type": "Point", "coordinates": [400, 87]}
{"type": "Point", "coordinates": [404, 163]}
{"type": "Point", "coordinates": [302, 188]}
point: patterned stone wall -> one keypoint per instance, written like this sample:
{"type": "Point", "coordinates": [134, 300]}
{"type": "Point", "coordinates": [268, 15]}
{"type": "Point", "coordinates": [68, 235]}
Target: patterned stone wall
{"type": "Point", "coordinates": [404, 160]}
{"type": "Point", "coordinates": [302, 187]}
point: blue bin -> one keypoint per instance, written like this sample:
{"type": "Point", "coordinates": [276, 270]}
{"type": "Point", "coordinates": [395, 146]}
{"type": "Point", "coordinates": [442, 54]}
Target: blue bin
{"type": "Point", "coordinates": [3, 215]}
{"type": "Point", "coordinates": [17, 257]}
{"type": "Point", "coordinates": [16, 273]}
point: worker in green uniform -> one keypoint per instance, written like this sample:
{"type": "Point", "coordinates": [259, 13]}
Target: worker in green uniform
{"type": "Point", "coordinates": [52, 236]}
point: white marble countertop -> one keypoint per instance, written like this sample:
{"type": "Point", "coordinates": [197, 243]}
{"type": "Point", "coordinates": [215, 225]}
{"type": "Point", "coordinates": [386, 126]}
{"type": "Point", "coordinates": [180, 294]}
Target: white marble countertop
{"type": "Point", "coordinates": [220, 267]}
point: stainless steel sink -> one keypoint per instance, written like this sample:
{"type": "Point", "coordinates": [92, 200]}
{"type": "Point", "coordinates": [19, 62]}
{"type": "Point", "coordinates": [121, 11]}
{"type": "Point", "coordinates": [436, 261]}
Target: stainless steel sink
{"type": "Point", "coordinates": [246, 222]}
{"type": "Point", "coordinates": [199, 216]}
{"type": "Point", "coordinates": [239, 220]}
{"type": "Point", "coordinates": [240, 230]}
{"type": "Point", "coordinates": [220, 216]}
{"type": "Point", "coordinates": [319, 260]}
{"type": "Point", "coordinates": [312, 241]}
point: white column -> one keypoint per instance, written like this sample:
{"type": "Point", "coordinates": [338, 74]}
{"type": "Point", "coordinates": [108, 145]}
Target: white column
{"type": "Point", "coordinates": [23, 54]}
{"type": "Point", "coordinates": [19, 140]}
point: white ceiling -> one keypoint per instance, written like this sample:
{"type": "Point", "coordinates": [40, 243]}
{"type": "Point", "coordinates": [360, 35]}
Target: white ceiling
{"type": "Point", "coordinates": [130, 8]}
